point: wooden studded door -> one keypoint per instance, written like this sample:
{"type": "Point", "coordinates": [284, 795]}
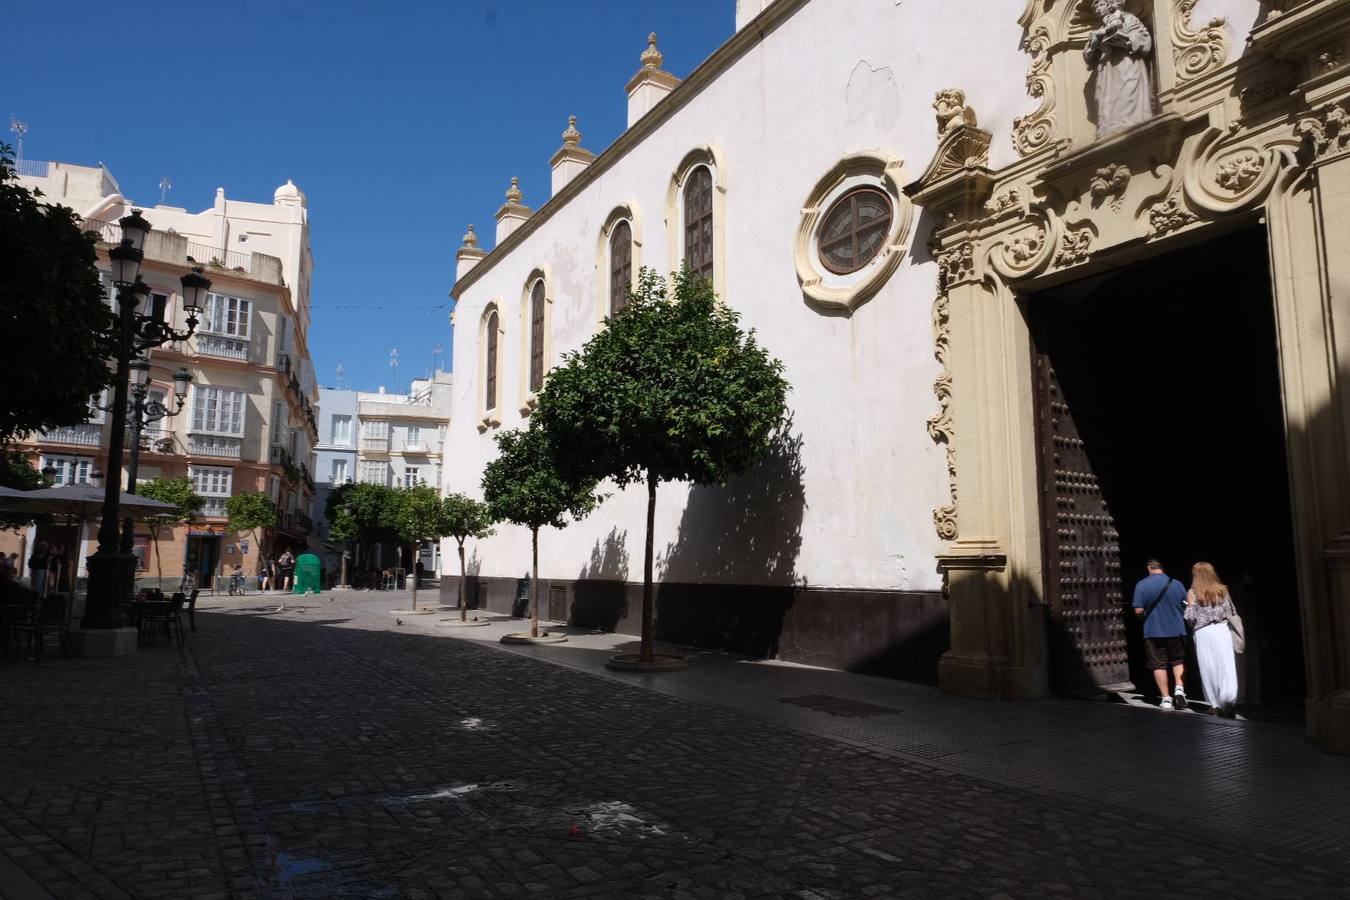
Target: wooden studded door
{"type": "Point", "coordinates": [1081, 547]}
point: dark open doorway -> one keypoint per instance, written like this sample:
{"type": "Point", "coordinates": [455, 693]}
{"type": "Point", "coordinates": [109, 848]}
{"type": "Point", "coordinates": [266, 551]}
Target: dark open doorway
{"type": "Point", "coordinates": [1162, 434]}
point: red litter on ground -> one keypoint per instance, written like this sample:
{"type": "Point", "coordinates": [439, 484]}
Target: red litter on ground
{"type": "Point", "coordinates": [574, 831]}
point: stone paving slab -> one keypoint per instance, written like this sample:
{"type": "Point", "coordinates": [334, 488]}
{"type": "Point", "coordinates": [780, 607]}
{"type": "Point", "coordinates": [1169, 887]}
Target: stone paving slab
{"type": "Point", "coordinates": [326, 751]}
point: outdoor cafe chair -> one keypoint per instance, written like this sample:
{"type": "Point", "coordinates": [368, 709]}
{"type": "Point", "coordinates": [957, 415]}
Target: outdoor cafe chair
{"type": "Point", "coordinates": [50, 619]}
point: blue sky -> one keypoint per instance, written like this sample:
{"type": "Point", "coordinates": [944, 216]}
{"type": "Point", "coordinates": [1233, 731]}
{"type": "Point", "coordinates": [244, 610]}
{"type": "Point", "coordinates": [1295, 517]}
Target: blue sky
{"type": "Point", "coordinates": [402, 122]}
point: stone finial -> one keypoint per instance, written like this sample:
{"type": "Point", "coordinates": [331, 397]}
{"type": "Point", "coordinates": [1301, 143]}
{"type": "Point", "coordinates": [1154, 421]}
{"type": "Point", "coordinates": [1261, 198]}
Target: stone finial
{"type": "Point", "coordinates": [651, 57]}
{"type": "Point", "coordinates": [571, 137]}
{"type": "Point", "coordinates": [470, 238]}
{"type": "Point", "coordinates": [513, 194]}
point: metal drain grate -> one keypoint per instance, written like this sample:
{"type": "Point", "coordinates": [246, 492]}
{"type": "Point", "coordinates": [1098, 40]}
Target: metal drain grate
{"type": "Point", "coordinates": [840, 706]}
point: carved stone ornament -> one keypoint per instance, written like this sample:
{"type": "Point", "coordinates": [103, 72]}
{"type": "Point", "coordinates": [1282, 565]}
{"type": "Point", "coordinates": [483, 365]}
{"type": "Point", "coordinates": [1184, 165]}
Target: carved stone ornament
{"type": "Point", "coordinates": [1004, 200]}
{"type": "Point", "coordinates": [1330, 59]}
{"type": "Point", "coordinates": [1240, 172]}
{"type": "Point", "coordinates": [956, 266]}
{"type": "Point", "coordinates": [940, 427]}
{"type": "Point", "coordinates": [1035, 130]}
{"type": "Point", "coordinates": [1110, 182]}
{"type": "Point", "coordinates": [1170, 215]}
{"type": "Point", "coordinates": [1327, 130]}
{"type": "Point", "coordinates": [1074, 247]}
{"type": "Point", "coordinates": [1118, 52]}
{"type": "Point", "coordinates": [1026, 247]}
{"type": "Point", "coordinates": [1196, 51]}
{"type": "Point", "coordinates": [1273, 9]}
{"type": "Point", "coordinates": [952, 111]}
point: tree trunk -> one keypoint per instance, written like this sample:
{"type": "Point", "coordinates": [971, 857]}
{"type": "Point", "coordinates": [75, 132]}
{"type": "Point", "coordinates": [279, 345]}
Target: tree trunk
{"type": "Point", "coordinates": [412, 567]}
{"type": "Point", "coordinates": [534, 586]}
{"type": "Point", "coordinates": [159, 560]}
{"type": "Point", "coordinates": [647, 652]}
{"type": "Point", "coordinates": [463, 613]}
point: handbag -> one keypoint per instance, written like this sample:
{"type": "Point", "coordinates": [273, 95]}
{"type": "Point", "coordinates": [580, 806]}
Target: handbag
{"type": "Point", "coordinates": [1239, 635]}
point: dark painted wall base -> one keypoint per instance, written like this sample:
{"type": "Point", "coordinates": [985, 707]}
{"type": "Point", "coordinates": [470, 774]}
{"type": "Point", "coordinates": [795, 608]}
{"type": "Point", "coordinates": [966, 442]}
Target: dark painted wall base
{"type": "Point", "coordinates": [894, 634]}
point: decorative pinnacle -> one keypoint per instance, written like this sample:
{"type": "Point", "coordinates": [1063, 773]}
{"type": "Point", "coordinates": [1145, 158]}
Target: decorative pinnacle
{"type": "Point", "coordinates": [651, 57]}
{"type": "Point", "coordinates": [470, 238]}
{"type": "Point", "coordinates": [571, 137]}
{"type": "Point", "coordinates": [513, 193]}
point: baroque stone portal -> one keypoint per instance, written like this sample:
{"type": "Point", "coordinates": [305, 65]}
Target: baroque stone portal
{"type": "Point", "coordinates": [1118, 51]}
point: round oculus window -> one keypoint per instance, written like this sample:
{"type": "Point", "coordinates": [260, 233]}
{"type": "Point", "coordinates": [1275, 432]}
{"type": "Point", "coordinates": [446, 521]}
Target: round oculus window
{"type": "Point", "coordinates": [854, 230]}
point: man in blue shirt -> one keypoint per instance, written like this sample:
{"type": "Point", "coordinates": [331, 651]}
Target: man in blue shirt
{"type": "Point", "coordinates": [1161, 602]}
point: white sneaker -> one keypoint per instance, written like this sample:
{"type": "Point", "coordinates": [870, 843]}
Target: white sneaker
{"type": "Point", "coordinates": [1179, 698]}
{"type": "Point", "coordinates": [1165, 703]}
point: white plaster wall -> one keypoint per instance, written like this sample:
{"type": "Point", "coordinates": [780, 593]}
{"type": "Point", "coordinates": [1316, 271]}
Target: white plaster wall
{"type": "Point", "coordinates": [1238, 15]}
{"type": "Point", "coordinates": [839, 76]}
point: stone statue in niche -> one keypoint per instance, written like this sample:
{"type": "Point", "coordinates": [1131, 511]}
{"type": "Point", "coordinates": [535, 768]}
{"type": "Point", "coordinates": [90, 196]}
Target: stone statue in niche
{"type": "Point", "coordinates": [1118, 53]}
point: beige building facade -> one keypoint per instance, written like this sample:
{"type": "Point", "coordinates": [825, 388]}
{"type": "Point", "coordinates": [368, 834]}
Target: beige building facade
{"type": "Point", "coordinates": [1098, 314]}
{"type": "Point", "coordinates": [248, 420]}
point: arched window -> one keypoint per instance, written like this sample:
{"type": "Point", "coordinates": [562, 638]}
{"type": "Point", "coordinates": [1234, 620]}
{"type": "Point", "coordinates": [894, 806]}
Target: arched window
{"type": "Point", "coordinates": [620, 267]}
{"type": "Point", "coordinates": [698, 222]}
{"type": "Point", "coordinates": [490, 377]}
{"type": "Point", "coordinates": [537, 336]}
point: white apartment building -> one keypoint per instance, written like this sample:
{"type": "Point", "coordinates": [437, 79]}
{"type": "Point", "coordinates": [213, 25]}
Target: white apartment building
{"type": "Point", "coordinates": [249, 422]}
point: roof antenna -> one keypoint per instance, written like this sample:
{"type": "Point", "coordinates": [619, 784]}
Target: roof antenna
{"type": "Point", "coordinates": [19, 129]}
{"type": "Point", "coordinates": [164, 185]}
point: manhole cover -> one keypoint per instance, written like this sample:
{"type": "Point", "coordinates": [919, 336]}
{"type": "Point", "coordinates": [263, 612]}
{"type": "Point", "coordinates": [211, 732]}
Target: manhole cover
{"type": "Point", "coordinates": [840, 706]}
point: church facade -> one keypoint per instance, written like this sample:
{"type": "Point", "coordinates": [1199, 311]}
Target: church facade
{"type": "Point", "coordinates": [1059, 286]}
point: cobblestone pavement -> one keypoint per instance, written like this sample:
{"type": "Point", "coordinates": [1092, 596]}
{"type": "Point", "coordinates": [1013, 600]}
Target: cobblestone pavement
{"type": "Point", "coordinates": [325, 751]}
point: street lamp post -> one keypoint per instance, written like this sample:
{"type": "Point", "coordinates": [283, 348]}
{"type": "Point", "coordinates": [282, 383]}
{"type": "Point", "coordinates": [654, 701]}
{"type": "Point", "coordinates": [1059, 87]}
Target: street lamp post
{"type": "Point", "coordinates": [111, 567]}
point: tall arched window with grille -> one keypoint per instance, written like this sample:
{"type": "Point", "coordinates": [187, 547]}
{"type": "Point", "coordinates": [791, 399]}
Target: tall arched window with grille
{"type": "Point", "coordinates": [490, 375]}
{"type": "Point", "coordinates": [698, 222]}
{"type": "Point", "coordinates": [537, 336]}
{"type": "Point", "coordinates": [620, 266]}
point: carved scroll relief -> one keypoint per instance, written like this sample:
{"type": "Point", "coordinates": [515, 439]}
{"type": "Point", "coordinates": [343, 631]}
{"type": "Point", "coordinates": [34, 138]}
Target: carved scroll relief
{"type": "Point", "coordinates": [1034, 130]}
{"type": "Point", "coordinates": [1196, 51]}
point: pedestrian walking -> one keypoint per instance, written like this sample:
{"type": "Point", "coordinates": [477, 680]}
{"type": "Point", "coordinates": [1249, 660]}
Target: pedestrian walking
{"type": "Point", "coordinates": [265, 576]}
{"type": "Point", "coordinates": [38, 564]}
{"type": "Point", "coordinates": [1210, 611]}
{"type": "Point", "coordinates": [1160, 601]}
{"type": "Point", "coordinates": [286, 570]}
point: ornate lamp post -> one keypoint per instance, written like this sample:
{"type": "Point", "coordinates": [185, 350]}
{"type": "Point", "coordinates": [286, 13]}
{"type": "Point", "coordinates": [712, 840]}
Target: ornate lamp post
{"type": "Point", "coordinates": [111, 568]}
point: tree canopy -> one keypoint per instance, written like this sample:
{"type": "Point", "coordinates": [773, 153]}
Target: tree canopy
{"type": "Point", "coordinates": [417, 515]}
{"type": "Point", "coordinates": [371, 519]}
{"type": "Point", "coordinates": [670, 389]}
{"type": "Point", "coordinates": [17, 473]}
{"type": "Point", "coordinates": [52, 300]}
{"type": "Point", "coordinates": [524, 485]}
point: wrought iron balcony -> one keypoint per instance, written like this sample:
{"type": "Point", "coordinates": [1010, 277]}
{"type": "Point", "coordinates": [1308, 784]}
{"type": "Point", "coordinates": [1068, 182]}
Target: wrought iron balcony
{"type": "Point", "coordinates": [222, 345]}
{"type": "Point", "coordinates": [213, 507]}
{"type": "Point", "coordinates": [86, 435]}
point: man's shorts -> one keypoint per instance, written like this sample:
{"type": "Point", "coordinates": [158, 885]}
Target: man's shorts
{"type": "Point", "coordinates": [1160, 653]}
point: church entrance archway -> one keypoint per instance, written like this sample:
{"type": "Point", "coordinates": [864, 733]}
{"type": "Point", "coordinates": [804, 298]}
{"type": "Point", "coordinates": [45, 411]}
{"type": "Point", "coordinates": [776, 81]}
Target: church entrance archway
{"type": "Point", "coordinates": [1161, 433]}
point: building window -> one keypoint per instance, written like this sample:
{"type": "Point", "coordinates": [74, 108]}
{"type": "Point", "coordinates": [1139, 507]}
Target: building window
{"type": "Point", "coordinates": [211, 481]}
{"type": "Point", "coordinates": [342, 430]}
{"type": "Point", "coordinates": [375, 429]}
{"type": "Point", "coordinates": [338, 475]}
{"type": "Point", "coordinates": [855, 229]}
{"type": "Point", "coordinates": [411, 476]}
{"type": "Point", "coordinates": [414, 436]}
{"type": "Point", "coordinates": [620, 267]}
{"type": "Point", "coordinates": [698, 222]}
{"type": "Point", "coordinates": [217, 410]}
{"type": "Point", "coordinates": [490, 379]}
{"type": "Point", "coordinates": [69, 469]}
{"type": "Point", "coordinates": [537, 336]}
{"type": "Point", "coordinates": [226, 315]}
{"type": "Point", "coordinates": [374, 472]}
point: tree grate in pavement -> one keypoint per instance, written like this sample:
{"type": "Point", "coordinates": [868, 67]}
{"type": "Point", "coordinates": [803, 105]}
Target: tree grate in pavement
{"type": "Point", "coordinates": [840, 706]}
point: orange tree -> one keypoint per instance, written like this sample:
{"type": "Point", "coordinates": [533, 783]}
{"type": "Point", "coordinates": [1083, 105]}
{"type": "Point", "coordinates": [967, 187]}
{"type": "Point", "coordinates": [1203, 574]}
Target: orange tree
{"type": "Point", "coordinates": [670, 390]}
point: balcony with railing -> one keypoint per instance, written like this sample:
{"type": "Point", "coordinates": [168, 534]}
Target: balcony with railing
{"type": "Point", "coordinates": [221, 345]}
{"type": "Point", "coordinates": [213, 507]}
{"type": "Point", "coordinates": [374, 444]}
{"type": "Point", "coordinates": [32, 168]}
{"type": "Point", "coordinates": [218, 445]}
{"type": "Point", "coordinates": [175, 248]}
{"type": "Point", "coordinates": [85, 435]}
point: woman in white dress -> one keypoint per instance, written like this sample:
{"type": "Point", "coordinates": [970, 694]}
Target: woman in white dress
{"type": "Point", "coordinates": [1208, 609]}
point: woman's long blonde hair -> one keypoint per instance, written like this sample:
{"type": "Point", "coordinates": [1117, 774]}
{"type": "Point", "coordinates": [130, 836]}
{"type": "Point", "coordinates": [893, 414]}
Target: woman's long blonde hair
{"type": "Point", "coordinates": [1205, 584]}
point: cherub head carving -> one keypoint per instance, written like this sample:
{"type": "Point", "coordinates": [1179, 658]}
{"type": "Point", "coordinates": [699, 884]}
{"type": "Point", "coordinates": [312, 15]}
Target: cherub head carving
{"type": "Point", "coordinates": [1107, 10]}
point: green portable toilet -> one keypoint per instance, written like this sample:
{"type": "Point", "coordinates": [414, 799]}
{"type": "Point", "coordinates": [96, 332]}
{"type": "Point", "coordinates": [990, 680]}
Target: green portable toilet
{"type": "Point", "coordinates": [308, 574]}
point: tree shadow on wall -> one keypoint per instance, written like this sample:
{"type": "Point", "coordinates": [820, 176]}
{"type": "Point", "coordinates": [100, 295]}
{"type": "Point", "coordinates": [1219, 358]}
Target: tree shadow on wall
{"type": "Point", "coordinates": [729, 577]}
{"type": "Point", "coordinates": [600, 596]}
